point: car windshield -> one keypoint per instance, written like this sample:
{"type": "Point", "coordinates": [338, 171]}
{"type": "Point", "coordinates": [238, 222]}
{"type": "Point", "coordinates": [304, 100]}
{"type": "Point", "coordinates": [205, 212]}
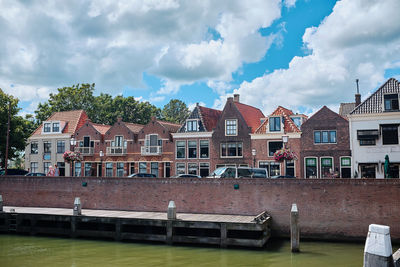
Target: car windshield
{"type": "Point", "coordinates": [218, 171]}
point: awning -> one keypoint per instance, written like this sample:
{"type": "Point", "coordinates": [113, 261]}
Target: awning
{"type": "Point", "coordinates": [367, 134]}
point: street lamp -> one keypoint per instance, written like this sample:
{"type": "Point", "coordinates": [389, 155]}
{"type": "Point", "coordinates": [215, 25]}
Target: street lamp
{"type": "Point", "coordinates": [101, 163]}
{"type": "Point", "coordinates": [73, 144]}
{"type": "Point", "coordinates": [254, 153]}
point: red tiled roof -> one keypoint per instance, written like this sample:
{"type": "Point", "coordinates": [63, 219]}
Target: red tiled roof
{"type": "Point", "coordinates": [171, 127]}
{"type": "Point", "coordinates": [74, 120]}
{"type": "Point", "coordinates": [101, 128]}
{"type": "Point", "coordinates": [210, 117]}
{"type": "Point", "coordinates": [134, 127]}
{"type": "Point", "coordinates": [289, 126]}
{"type": "Point", "coordinates": [250, 114]}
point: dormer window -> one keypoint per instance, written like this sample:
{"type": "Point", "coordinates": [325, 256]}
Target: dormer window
{"type": "Point", "coordinates": [52, 127]}
{"type": "Point", "coordinates": [56, 127]}
{"type": "Point", "coordinates": [391, 102]}
{"type": "Point", "coordinates": [275, 124]}
{"type": "Point", "coordinates": [192, 126]}
{"type": "Point", "coordinates": [47, 127]}
{"type": "Point", "coordinates": [231, 127]}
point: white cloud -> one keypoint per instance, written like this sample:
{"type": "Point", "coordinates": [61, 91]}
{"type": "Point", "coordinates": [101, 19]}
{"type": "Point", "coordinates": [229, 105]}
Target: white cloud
{"type": "Point", "coordinates": [289, 3]}
{"type": "Point", "coordinates": [359, 39]}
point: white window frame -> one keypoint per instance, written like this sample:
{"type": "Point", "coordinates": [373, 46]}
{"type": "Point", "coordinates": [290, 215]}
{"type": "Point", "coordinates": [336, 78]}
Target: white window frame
{"type": "Point", "coordinates": [320, 165]}
{"type": "Point", "coordinates": [208, 148]}
{"type": "Point", "coordinates": [226, 143]}
{"type": "Point", "coordinates": [176, 150]}
{"type": "Point", "coordinates": [226, 127]}
{"type": "Point", "coordinates": [351, 165]}
{"type": "Point", "coordinates": [305, 166]}
{"type": "Point", "coordinates": [197, 149]}
{"type": "Point", "coordinates": [280, 124]}
{"type": "Point", "coordinates": [191, 121]}
{"type": "Point", "coordinates": [176, 167]}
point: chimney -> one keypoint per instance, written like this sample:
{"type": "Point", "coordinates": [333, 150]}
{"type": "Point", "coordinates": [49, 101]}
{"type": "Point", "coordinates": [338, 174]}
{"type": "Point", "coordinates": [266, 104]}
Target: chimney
{"type": "Point", "coordinates": [236, 97]}
{"type": "Point", "coordinates": [119, 119]}
{"type": "Point", "coordinates": [357, 96]}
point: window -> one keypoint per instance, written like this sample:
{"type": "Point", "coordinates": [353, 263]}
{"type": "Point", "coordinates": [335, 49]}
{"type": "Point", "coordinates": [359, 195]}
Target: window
{"type": "Point", "coordinates": [192, 149]}
{"type": "Point", "coordinates": [61, 168]}
{"type": "Point", "coordinates": [34, 167]}
{"type": "Point", "coordinates": [191, 126]}
{"type": "Point", "coordinates": [345, 167]}
{"type": "Point", "coordinates": [88, 169]}
{"type": "Point", "coordinates": [47, 147]}
{"type": "Point", "coordinates": [56, 127]}
{"type": "Point", "coordinates": [193, 168]}
{"type": "Point", "coordinates": [46, 166]}
{"type": "Point", "coordinates": [120, 169]}
{"type": "Point", "coordinates": [326, 167]}
{"type": "Point", "coordinates": [180, 149]}
{"type": "Point", "coordinates": [154, 168]}
{"type": "Point", "coordinates": [204, 149]}
{"type": "Point", "coordinates": [167, 169]}
{"type": "Point", "coordinates": [180, 168]}
{"type": "Point", "coordinates": [367, 137]}
{"type": "Point", "coordinates": [367, 142]}
{"type": "Point", "coordinates": [325, 137]}
{"type": "Point", "coordinates": [390, 134]}
{"type": "Point", "coordinates": [311, 167]}
{"type": "Point", "coordinates": [273, 147]}
{"type": "Point", "coordinates": [47, 127]}
{"type": "Point", "coordinates": [368, 170]}
{"type": "Point", "coordinates": [391, 102]}
{"type": "Point", "coordinates": [233, 149]}
{"type": "Point", "coordinates": [142, 167]}
{"type": "Point", "coordinates": [230, 127]}
{"type": "Point", "coordinates": [289, 167]}
{"type": "Point", "coordinates": [117, 142]}
{"type": "Point", "coordinates": [60, 147]}
{"type": "Point", "coordinates": [204, 169]}
{"type": "Point", "coordinates": [132, 168]}
{"type": "Point", "coordinates": [274, 124]}
{"type": "Point", "coordinates": [273, 168]}
{"type": "Point", "coordinates": [109, 169]}
{"type": "Point", "coordinates": [34, 147]}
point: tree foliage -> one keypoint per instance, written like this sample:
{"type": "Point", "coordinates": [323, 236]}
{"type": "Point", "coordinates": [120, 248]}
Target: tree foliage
{"type": "Point", "coordinates": [175, 111]}
{"type": "Point", "coordinates": [20, 128]}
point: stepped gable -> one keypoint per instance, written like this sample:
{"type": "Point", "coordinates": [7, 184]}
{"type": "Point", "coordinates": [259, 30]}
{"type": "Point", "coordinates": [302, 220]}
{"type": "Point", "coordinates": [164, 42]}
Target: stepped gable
{"type": "Point", "coordinates": [209, 117]}
{"type": "Point", "coordinates": [289, 126]}
{"type": "Point", "coordinates": [374, 103]}
{"type": "Point", "coordinates": [250, 114]}
{"type": "Point", "coordinates": [74, 119]}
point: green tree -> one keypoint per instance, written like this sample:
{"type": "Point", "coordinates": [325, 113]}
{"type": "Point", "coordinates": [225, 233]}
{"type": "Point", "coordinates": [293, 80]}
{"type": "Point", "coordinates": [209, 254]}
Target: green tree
{"type": "Point", "coordinates": [20, 128]}
{"type": "Point", "coordinates": [175, 111]}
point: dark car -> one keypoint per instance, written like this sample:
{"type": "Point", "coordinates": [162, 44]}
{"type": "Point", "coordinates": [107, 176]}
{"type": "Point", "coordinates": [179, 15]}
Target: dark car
{"type": "Point", "coordinates": [186, 176]}
{"type": "Point", "coordinates": [283, 176]}
{"type": "Point", "coordinates": [35, 174]}
{"type": "Point", "coordinates": [142, 175]}
{"type": "Point", "coordinates": [13, 172]}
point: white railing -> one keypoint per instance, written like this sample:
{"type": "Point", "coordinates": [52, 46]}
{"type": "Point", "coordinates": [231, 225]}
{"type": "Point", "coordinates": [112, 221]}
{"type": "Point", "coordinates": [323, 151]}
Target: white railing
{"type": "Point", "coordinates": [151, 150]}
{"type": "Point", "coordinates": [115, 151]}
{"type": "Point", "coordinates": [85, 151]}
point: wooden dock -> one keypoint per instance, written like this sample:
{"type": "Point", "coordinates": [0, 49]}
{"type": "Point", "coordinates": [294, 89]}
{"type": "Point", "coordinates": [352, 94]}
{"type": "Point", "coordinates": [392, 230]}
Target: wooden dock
{"type": "Point", "coordinates": [215, 229]}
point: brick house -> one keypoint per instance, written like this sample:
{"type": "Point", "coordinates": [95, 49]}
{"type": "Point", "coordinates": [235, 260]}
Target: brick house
{"type": "Point", "coordinates": [325, 146]}
{"type": "Point", "coordinates": [231, 140]}
{"type": "Point", "coordinates": [154, 151]}
{"type": "Point", "coordinates": [194, 153]}
{"type": "Point", "coordinates": [46, 146]}
{"type": "Point", "coordinates": [281, 125]}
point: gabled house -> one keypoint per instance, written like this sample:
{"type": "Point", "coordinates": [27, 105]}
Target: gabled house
{"type": "Point", "coordinates": [193, 146]}
{"type": "Point", "coordinates": [374, 132]}
{"type": "Point", "coordinates": [154, 151]}
{"type": "Point", "coordinates": [231, 140]}
{"type": "Point", "coordinates": [325, 146]}
{"type": "Point", "coordinates": [278, 130]}
{"type": "Point", "coordinates": [46, 146]}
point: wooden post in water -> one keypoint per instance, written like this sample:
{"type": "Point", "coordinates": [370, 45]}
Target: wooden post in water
{"type": "Point", "coordinates": [171, 215]}
{"type": "Point", "coordinates": [77, 207]}
{"type": "Point", "coordinates": [378, 247]}
{"type": "Point", "coordinates": [294, 229]}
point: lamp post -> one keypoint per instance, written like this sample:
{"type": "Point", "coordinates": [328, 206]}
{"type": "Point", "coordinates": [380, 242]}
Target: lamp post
{"type": "Point", "coordinates": [254, 153]}
{"type": "Point", "coordinates": [73, 144]}
{"type": "Point", "coordinates": [101, 163]}
{"type": "Point", "coordinates": [285, 140]}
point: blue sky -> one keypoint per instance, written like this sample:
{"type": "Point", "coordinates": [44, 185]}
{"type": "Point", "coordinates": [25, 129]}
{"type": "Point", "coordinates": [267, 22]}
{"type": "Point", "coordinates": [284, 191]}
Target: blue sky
{"type": "Point", "coordinates": [299, 54]}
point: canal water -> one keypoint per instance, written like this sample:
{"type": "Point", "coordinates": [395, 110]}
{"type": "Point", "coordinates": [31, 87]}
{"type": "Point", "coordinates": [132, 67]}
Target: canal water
{"type": "Point", "coordinates": [48, 251]}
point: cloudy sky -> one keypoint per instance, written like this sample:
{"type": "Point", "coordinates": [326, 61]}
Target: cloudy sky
{"type": "Point", "coordinates": [300, 54]}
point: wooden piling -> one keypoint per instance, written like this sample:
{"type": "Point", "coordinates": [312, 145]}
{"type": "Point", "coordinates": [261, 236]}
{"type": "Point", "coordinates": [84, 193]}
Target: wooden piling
{"type": "Point", "coordinates": [294, 229]}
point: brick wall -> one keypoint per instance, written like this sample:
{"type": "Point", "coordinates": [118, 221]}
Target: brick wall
{"type": "Point", "coordinates": [329, 208]}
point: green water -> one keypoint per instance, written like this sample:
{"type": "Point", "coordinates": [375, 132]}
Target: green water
{"type": "Point", "coordinates": [44, 251]}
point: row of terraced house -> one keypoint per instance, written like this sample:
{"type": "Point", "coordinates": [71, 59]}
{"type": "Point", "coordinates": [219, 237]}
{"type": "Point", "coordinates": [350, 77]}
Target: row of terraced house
{"type": "Point", "coordinates": [350, 144]}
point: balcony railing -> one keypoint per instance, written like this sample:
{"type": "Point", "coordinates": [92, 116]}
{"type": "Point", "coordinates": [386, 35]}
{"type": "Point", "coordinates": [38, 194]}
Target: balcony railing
{"type": "Point", "coordinates": [85, 151]}
{"type": "Point", "coordinates": [115, 151]}
{"type": "Point", "coordinates": [151, 150]}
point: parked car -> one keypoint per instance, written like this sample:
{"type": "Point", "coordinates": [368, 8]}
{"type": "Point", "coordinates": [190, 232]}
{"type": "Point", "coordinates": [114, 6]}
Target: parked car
{"type": "Point", "coordinates": [239, 172]}
{"type": "Point", "coordinates": [35, 174]}
{"type": "Point", "coordinates": [13, 172]}
{"type": "Point", "coordinates": [186, 176]}
{"type": "Point", "coordinates": [142, 175]}
{"type": "Point", "coordinates": [283, 176]}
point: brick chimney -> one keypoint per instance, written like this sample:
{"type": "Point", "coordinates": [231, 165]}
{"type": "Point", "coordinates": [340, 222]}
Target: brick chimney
{"type": "Point", "coordinates": [358, 95]}
{"type": "Point", "coordinates": [236, 98]}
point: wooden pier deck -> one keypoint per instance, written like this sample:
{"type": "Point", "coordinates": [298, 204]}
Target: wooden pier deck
{"type": "Point", "coordinates": [217, 229]}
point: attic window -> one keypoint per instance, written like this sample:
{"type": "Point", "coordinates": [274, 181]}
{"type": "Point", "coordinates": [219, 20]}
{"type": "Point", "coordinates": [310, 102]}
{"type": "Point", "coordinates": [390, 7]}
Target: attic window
{"type": "Point", "coordinates": [191, 126]}
{"type": "Point", "coordinates": [391, 102]}
{"type": "Point", "coordinates": [56, 127]}
{"type": "Point", "coordinates": [275, 124]}
{"type": "Point", "coordinates": [47, 127]}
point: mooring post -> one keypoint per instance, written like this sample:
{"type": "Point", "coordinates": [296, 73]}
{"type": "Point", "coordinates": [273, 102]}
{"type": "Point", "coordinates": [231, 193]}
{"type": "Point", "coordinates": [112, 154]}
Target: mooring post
{"type": "Point", "coordinates": [1, 203]}
{"type": "Point", "coordinates": [77, 207]}
{"type": "Point", "coordinates": [396, 258]}
{"type": "Point", "coordinates": [294, 229]}
{"type": "Point", "coordinates": [378, 247]}
{"type": "Point", "coordinates": [224, 232]}
{"type": "Point", "coordinates": [171, 215]}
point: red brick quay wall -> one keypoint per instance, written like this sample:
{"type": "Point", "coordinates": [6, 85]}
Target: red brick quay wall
{"type": "Point", "coordinates": [329, 208]}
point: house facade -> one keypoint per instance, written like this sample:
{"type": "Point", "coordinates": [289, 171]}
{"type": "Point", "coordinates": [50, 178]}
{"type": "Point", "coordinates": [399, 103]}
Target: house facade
{"type": "Point", "coordinates": [46, 146]}
{"type": "Point", "coordinates": [278, 130]}
{"type": "Point", "coordinates": [374, 131]}
{"type": "Point", "coordinates": [325, 146]}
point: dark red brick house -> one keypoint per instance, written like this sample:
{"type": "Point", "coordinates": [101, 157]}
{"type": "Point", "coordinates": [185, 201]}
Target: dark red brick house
{"type": "Point", "coordinates": [325, 146]}
{"type": "Point", "coordinates": [194, 151]}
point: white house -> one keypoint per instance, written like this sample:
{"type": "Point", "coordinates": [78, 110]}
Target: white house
{"type": "Point", "coordinates": [374, 132]}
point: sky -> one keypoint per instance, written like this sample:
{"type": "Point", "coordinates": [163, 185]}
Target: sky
{"type": "Point", "coordinates": [300, 54]}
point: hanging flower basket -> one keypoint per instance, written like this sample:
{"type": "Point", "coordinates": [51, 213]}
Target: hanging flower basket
{"type": "Point", "coordinates": [284, 154]}
{"type": "Point", "coordinates": [70, 156]}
